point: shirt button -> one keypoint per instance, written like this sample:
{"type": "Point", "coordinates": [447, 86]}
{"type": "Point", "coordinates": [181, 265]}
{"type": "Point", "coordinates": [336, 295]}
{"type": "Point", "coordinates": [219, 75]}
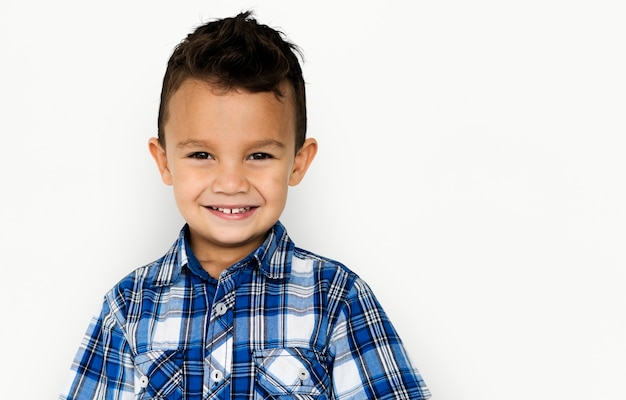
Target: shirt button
{"type": "Point", "coordinates": [143, 381]}
{"type": "Point", "coordinates": [303, 374]}
{"type": "Point", "coordinates": [220, 309]}
{"type": "Point", "coordinates": [217, 376]}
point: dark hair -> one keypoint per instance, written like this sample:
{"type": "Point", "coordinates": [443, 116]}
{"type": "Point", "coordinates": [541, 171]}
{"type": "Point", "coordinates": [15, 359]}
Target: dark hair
{"type": "Point", "coordinates": [237, 53]}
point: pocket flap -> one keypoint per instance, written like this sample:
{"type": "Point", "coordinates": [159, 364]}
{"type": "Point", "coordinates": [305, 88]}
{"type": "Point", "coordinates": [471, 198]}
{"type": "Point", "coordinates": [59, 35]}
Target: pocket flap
{"type": "Point", "coordinates": [291, 370]}
{"type": "Point", "coordinates": [160, 374]}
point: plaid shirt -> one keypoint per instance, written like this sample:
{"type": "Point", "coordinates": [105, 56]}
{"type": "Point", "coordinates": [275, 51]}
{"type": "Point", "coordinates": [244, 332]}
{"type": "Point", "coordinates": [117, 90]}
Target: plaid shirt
{"type": "Point", "coordinates": [282, 323]}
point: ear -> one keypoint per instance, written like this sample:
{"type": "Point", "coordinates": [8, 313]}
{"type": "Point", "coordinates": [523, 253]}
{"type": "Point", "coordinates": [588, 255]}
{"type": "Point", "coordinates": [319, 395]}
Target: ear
{"type": "Point", "coordinates": [304, 158]}
{"type": "Point", "coordinates": [158, 153]}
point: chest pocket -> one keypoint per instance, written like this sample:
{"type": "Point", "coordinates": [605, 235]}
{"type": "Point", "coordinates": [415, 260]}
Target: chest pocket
{"type": "Point", "coordinates": [291, 373]}
{"type": "Point", "coordinates": [159, 375]}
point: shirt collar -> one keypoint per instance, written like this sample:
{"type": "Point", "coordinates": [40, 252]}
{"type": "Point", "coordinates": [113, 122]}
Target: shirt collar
{"type": "Point", "coordinates": [273, 258]}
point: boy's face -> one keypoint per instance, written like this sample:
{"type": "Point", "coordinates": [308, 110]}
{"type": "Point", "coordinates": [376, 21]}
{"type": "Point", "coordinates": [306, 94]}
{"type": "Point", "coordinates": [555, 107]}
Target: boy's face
{"type": "Point", "coordinates": [230, 157]}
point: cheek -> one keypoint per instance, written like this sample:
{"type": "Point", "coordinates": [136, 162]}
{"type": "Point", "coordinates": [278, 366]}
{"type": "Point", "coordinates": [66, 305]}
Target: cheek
{"type": "Point", "coordinates": [186, 185]}
{"type": "Point", "coordinates": [276, 180]}
{"type": "Point", "coordinates": [277, 190]}
{"type": "Point", "coordinates": [270, 185]}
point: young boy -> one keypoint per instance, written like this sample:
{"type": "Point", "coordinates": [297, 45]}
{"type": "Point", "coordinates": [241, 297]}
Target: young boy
{"type": "Point", "coordinates": [234, 310]}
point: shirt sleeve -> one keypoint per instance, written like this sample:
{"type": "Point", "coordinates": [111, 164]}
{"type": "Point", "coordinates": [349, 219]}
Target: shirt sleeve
{"type": "Point", "coordinates": [370, 359]}
{"type": "Point", "coordinates": [103, 367]}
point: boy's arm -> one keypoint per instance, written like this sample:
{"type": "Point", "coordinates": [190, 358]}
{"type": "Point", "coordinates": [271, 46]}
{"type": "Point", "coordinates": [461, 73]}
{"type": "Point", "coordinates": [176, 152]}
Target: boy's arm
{"type": "Point", "coordinates": [370, 360]}
{"type": "Point", "coordinates": [103, 367]}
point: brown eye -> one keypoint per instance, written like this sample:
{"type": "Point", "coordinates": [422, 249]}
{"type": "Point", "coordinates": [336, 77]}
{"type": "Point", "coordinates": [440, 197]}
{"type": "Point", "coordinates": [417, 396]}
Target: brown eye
{"type": "Point", "coordinates": [260, 156]}
{"type": "Point", "coordinates": [200, 155]}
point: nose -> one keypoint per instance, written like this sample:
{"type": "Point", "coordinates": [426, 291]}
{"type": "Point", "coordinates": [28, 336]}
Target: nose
{"type": "Point", "coordinates": [230, 178]}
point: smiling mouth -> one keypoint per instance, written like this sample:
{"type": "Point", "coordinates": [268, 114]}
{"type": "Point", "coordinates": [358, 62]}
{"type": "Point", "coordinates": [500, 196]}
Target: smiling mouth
{"type": "Point", "coordinates": [231, 210]}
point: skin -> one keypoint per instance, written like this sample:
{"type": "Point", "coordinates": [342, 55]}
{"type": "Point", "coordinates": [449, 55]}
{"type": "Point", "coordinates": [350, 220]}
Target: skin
{"type": "Point", "coordinates": [230, 157]}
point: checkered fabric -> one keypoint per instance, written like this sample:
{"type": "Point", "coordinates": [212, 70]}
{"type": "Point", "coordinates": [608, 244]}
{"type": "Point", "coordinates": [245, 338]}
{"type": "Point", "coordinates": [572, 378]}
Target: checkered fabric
{"type": "Point", "coordinates": [282, 323]}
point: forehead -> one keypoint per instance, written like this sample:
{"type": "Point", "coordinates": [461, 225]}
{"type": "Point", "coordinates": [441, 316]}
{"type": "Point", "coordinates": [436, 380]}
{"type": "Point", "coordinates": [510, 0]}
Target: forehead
{"type": "Point", "coordinates": [198, 108]}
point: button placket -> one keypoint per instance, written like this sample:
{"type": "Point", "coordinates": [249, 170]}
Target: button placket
{"type": "Point", "coordinates": [218, 363]}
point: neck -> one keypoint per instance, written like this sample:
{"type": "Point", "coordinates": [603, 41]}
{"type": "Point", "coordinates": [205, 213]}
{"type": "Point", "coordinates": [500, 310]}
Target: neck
{"type": "Point", "coordinates": [215, 259]}
{"type": "Point", "coordinates": [216, 266]}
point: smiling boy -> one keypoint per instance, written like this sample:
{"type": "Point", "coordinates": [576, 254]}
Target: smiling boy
{"type": "Point", "coordinates": [234, 310]}
{"type": "Point", "coordinates": [230, 156]}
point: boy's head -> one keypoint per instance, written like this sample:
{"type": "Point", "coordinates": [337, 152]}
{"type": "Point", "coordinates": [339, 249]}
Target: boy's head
{"type": "Point", "coordinates": [237, 53]}
{"type": "Point", "coordinates": [231, 135]}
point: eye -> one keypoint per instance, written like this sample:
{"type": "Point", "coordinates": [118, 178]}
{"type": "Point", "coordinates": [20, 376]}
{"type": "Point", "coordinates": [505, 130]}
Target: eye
{"type": "Point", "coordinates": [260, 156]}
{"type": "Point", "coordinates": [200, 155]}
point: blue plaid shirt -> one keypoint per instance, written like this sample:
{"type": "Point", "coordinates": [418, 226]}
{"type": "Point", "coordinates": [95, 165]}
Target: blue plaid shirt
{"type": "Point", "coordinates": [281, 324]}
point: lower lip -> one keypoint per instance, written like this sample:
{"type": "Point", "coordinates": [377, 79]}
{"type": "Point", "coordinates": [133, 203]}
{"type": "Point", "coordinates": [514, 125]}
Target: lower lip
{"type": "Point", "coordinates": [232, 217]}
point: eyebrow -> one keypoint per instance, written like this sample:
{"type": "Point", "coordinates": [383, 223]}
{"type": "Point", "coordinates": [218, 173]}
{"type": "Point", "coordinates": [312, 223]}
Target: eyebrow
{"type": "Point", "coordinates": [267, 143]}
{"type": "Point", "coordinates": [256, 144]}
{"type": "Point", "coordinates": [191, 143]}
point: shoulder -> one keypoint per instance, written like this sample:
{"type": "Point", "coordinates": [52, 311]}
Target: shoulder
{"type": "Point", "coordinates": [160, 273]}
{"type": "Point", "coordinates": [144, 276]}
{"type": "Point", "coordinates": [334, 275]}
{"type": "Point", "coordinates": [307, 260]}
{"type": "Point", "coordinates": [151, 278]}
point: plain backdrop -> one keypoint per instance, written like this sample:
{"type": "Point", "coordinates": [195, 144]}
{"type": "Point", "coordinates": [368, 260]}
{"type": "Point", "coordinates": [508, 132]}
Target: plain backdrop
{"type": "Point", "coordinates": [471, 169]}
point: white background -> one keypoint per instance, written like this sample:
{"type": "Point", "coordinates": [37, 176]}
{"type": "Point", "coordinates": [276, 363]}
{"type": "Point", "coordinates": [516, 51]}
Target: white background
{"type": "Point", "coordinates": [471, 169]}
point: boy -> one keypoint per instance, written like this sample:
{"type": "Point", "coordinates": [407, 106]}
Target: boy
{"type": "Point", "coordinates": [234, 310]}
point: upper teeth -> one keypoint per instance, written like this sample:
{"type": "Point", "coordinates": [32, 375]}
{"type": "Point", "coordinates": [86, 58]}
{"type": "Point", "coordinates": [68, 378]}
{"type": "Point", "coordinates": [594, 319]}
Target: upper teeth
{"type": "Point", "coordinates": [232, 210]}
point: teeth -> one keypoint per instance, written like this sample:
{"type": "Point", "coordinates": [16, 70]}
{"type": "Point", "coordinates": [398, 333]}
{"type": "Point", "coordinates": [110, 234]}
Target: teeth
{"type": "Point", "coordinates": [232, 210]}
